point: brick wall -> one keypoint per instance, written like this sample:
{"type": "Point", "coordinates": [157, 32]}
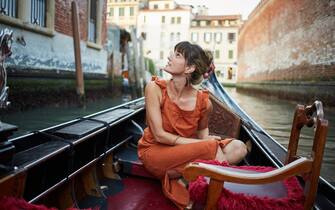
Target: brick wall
{"type": "Point", "coordinates": [63, 18]}
{"type": "Point", "coordinates": [288, 40]}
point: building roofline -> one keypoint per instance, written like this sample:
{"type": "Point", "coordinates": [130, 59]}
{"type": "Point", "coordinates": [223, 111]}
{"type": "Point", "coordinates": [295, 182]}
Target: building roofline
{"type": "Point", "coordinates": [164, 10]}
{"type": "Point", "coordinates": [217, 17]}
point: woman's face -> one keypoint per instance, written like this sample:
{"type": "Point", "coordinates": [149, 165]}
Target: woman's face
{"type": "Point", "coordinates": [176, 64]}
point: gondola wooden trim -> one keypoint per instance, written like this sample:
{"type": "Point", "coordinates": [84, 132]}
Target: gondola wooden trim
{"type": "Point", "coordinates": [13, 185]}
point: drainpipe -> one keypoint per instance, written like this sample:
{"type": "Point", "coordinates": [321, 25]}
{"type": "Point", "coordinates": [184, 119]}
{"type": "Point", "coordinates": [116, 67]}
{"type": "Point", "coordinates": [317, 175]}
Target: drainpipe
{"type": "Point", "coordinates": [77, 56]}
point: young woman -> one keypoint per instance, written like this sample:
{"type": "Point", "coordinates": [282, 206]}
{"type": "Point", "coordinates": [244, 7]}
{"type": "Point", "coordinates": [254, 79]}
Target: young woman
{"type": "Point", "coordinates": [177, 117]}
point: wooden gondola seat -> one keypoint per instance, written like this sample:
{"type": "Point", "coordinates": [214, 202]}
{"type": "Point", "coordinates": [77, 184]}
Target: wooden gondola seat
{"type": "Point", "coordinates": [242, 187]}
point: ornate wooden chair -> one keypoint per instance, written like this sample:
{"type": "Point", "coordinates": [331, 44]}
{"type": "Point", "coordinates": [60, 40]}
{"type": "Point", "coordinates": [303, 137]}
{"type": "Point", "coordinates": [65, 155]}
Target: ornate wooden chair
{"type": "Point", "coordinates": [220, 176]}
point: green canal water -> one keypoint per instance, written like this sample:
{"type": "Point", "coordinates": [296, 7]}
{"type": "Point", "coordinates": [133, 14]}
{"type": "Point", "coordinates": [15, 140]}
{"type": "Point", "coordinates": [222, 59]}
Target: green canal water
{"type": "Point", "coordinates": [45, 117]}
{"type": "Point", "coordinates": [274, 115]}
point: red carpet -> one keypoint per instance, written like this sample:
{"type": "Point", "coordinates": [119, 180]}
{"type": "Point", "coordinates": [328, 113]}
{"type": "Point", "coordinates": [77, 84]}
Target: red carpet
{"type": "Point", "coordinates": [11, 203]}
{"type": "Point", "coordinates": [140, 194]}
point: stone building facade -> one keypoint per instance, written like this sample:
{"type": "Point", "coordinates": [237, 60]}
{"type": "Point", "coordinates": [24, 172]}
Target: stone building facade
{"type": "Point", "coordinates": [124, 13]}
{"type": "Point", "coordinates": [218, 34]}
{"type": "Point", "coordinates": [163, 23]}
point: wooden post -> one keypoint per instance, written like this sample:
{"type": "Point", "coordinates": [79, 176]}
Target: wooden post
{"type": "Point", "coordinates": [135, 59]}
{"type": "Point", "coordinates": [77, 56]}
{"type": "Point", "coordinates": [142, 68]}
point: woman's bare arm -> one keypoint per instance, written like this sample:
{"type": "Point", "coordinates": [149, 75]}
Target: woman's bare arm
{"type": "Point", "coordinates": [153, 97]}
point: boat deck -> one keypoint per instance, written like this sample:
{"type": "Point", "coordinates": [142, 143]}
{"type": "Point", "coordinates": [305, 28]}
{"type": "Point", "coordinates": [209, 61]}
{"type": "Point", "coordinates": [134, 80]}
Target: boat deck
{"type": "Point", "coordinates": [136, 188]}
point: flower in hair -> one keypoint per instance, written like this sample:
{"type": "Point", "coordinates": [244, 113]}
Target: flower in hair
{"type": "Point", "coordinates": [210, 69]}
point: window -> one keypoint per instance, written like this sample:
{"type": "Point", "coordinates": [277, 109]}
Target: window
{"type": "Point", "coordinates": [194, 23]}
{"type": "Point", "coordinates": [231, 37]}
{"type": "Point", "coordinates": [178, 36]}
{"type": "Point", "coordinates": [226, 22]}
{"type": "Point", "coordinates": [218, 73]}
{"type": "Point", "coordinates": [172, 20]}
{"type": "Point", "coordinates": [92, 24]}
{"type": "Point", "coordinates": [155, 6]}
{"type": "Point", "coordinates": [178, 20]}
{"type": "Point", "coordinates": [121, 11]}
{"type": "Point", "coordinates": [34, 15]}
{"type": "Point", "coordinates": [144, 19]}
{"type": "Point", "coordinates": [172, 37]}
{"type": "Point", "coordinates": [194, 37]}
{"type": "Point", "coordinates": [202, 23]}
{"type": "Point", "coordinates": [111, 11]}
{"type": "Point", "coordinates": [144, 35]}
{"type": "Point", "coordinates": [38, 10]}
{"type": "Point", "coordinates": [8, 8]}
{"type": "Point", "coordinates": [218, 37]}
{"type": "Point", "coordinates": [230, 54]}
{"type": "Point", "coordinates": [230, 73]}
{"type": "Point", "coordinates": [166, 6]}
{"type": "Point", "coordinates": [161, 55]}
{"type": "Point", "coordinates": [232, 22]}
{"type": "Point", "coordinates": [207, 37]}
{"type": "Point", "coordinates": [163, 19]}
{"type": "Point", "coordinates": [217, 54]}
{"type": "Point", "coordinates": [131, 11]}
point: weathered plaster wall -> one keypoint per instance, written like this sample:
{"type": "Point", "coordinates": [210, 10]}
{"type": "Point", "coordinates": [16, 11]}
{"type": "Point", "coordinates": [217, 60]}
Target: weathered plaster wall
{"type": "Point", "coordinates": [53, 53]}
{"type": "Point", "coordinates": [56, 52]}
{"type": "Point", "coordinates": [288, 41]}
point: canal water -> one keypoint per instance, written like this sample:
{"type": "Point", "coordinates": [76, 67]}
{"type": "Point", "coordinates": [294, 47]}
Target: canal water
{"type": "Point", "coordinates": [274, 115]}
{"type": "Point", "coordinates": [45, 117]}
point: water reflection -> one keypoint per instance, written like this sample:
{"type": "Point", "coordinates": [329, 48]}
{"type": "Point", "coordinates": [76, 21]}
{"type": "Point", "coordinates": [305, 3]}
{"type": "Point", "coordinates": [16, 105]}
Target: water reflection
{"type": "Point", "coordinates": [41, 118]}
{"type": "Point", "coordinates": [276, 117]}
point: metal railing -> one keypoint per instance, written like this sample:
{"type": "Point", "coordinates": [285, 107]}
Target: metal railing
{"type": "Point", "coordinates": [8, 7]}
{"type": "Point", "coordinates": [38, 12]}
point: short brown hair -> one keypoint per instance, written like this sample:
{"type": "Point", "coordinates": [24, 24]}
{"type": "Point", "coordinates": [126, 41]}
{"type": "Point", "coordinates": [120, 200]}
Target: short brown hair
{"type": "Point", "coordinates": [195, 55]}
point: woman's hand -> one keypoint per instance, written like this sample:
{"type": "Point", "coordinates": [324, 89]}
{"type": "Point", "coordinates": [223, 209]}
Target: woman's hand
{"type": "Point", "coordinates": [214, 137]}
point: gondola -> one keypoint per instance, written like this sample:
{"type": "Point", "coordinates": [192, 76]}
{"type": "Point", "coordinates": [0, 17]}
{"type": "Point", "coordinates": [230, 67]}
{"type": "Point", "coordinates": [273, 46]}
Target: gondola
{"type": "Point", "coordinates": [91, 161]}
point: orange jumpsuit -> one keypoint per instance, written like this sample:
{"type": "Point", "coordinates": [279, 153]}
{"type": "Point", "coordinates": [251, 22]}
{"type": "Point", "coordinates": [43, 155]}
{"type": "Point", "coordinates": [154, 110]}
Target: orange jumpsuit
{"type": "Point", "coordinates": [159, 158]}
